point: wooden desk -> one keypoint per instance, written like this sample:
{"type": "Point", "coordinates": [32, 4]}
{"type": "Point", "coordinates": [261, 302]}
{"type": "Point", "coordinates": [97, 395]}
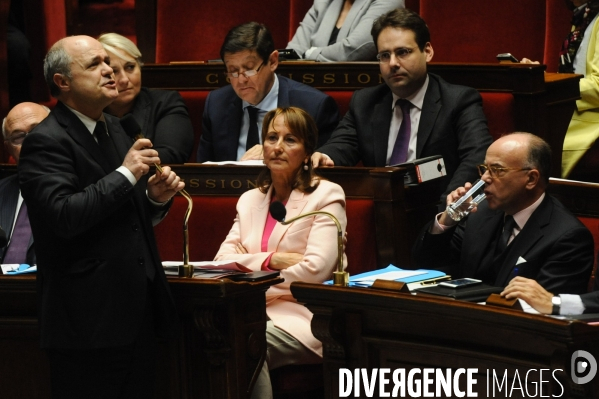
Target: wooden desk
{"type": "Point", "coordinates": [364, 328]}
{"type": "Point", "coordinates": [218, 354]}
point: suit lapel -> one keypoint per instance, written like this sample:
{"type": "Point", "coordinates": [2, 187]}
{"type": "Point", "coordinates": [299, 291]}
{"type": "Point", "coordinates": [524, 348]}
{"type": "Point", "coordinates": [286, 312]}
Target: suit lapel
{"type": "Point", "coordinates": [121, 141]}
{"type": "Point", "coordinates": [528, 237]}
{"type": "Point", "coordinates": [283, 94]}
{"type": "Point", "coordinates": [295, 205]}
{"type": "Point", "coordinates": [352, 15]}
{"type": "Point", "coordinates": [78, 132]}
{"type": "Point", "coordinates": [230, 135]}
{"type": "Point", "coordinates": [430, 110]}
{"type": "Point", "coordinates": [329, 20]}
{"type": "Point", "coordinates": [381, 118]}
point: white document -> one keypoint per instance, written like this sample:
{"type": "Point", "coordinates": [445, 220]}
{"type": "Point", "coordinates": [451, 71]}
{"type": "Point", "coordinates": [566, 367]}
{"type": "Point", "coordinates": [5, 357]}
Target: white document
{"type": "Point", "coordinates": [253, 162]}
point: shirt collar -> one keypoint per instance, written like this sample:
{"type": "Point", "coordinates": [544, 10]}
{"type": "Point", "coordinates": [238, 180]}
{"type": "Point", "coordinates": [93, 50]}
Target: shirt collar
{"type": "Point", "coordinates": [89, 123]}
{"type": "Point", "coordinates": [522, 217]}
{"type": "Point", "coordinates": [417, 98]}
{"type": "Point", "coordinates": [270, 101]}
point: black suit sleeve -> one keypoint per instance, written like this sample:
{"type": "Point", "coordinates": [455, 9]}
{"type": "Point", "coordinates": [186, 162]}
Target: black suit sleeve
{"type": "Point", "coordinates": [567, 266]}
{"type": "Point", "coordinates": [173, 138]}
{"type": "Point", "coordinates": [206, 148]}
{"type": "Point", "coordinates": [439, 251]}
{"type": "Point", "coordinates": [326, 119]}
{"type": "Point", "coordinates": [470, 126]}
{"type": "Point", "coordinates": [50, 183]}
{"type": "Point", "coordinates": [590, 301]}
{"type": "Point", "coordinates": [343, 146]}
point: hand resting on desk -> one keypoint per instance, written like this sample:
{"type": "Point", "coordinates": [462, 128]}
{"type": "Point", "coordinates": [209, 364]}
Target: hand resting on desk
{"type": "Point", "coordinates": [531, 292]}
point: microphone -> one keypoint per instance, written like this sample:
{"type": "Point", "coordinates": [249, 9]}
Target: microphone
{"type": "Point", "coordinates": [133, 130]}
{"type": "Point", "coordinates": [278, 211]}
{"type": "Point", "coordinates": [3, 239]}
{"type": "Point", "coordinates": [340, 276]}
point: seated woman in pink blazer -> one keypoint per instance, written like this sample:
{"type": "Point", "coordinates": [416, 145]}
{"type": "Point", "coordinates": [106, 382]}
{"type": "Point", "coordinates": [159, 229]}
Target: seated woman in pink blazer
{"type": "Point", "coordinates": [305, 250]}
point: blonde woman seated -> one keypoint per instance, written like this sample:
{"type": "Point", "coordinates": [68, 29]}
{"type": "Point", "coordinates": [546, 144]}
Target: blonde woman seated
{"type": "Point", "coordinates": [305, 250]}
{"type": "Point", "coordinates": [161, 114]}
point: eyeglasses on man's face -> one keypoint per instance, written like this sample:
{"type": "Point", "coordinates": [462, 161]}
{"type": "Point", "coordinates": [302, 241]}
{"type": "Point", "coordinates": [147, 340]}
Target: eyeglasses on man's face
{"type": "Point", "coordinates": [497, 171]}
{"type": "Point", "coordinates": [248, 74]}
{"type": "Point", "coordinates": [16, 139]}
{"type": "Point", "coordinates": [401, 53]}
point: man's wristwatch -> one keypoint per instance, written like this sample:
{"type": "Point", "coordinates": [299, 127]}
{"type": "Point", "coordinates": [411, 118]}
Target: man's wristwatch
{"type": "Point", "coordinates": [556, 302]}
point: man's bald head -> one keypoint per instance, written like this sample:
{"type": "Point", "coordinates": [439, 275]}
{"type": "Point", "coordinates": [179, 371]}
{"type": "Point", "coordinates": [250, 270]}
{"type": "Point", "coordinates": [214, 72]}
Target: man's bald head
{"type": "Point", "coordinates": [21, 119]}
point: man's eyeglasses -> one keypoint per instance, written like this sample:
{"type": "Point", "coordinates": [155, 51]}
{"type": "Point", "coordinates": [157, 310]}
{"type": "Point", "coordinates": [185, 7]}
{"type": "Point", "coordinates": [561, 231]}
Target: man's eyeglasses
{"type": "Point", "coordinates": [248, 74]}
{"type": "Point", "coordinates": [17, 138]}
{"type": "Point", "coordinates": [497, 171]}
{"type": "Point", "coordinates": [400, 53]}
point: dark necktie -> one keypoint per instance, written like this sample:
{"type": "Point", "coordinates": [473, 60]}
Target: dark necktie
{"type": "Point", "coordinates": [106, 145]}
{"type": "Point", "coordinates": [253, 138]}
{"type": "Point", "coordinates": [19, 241]}
{"type": "Point", "coordinates": [400, 149]}
{"type": "Point", "coordinates": [509, 224]}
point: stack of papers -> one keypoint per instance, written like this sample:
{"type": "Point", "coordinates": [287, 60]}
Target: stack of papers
{"type": "Point", "coordinates": [209, 269]}
{"type": "Point", "coordinates": [393, 273]}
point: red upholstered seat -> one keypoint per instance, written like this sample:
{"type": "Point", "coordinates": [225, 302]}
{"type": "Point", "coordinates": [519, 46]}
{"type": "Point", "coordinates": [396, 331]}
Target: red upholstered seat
{"type": "Point", "coordinates": [593, 225]}
{"type": "Point", "coordinates": [556, 29]}
{"type": "Point", "coordinates": [195, 101]}
{"type": "Point", "coordinates": [209, 224]}
{"type": "Point", "coordinates": [45, 22]}
{"type": "Point", "coordinates": [213, 217]}
{"type": "Point", "coordinates": [342, 98]}
{"type": "Point", "coordinates": [474, 31]}
{"type": "Point", "coordinates": [189, 30]}
{"type": "Point", "coordinates": [297, 11]}
{"type": "Point", "coordinates": [499, 110]}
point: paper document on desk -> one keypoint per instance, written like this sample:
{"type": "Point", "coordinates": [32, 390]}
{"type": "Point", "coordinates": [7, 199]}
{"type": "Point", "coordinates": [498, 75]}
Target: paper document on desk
{"type": "Point", "coordinates": [15, 268]}
{"type": "Point", "coordinates": [206, 269]}
{"type": "Point", "coordinates": [253, 162]}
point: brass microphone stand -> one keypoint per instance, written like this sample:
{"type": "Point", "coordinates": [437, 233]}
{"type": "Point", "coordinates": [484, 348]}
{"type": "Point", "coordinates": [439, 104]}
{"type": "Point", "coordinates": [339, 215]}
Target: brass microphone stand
{"type": "Point", "coordinates": [185, 270]}
{"type": "Point", "coordinates": [340, 276]}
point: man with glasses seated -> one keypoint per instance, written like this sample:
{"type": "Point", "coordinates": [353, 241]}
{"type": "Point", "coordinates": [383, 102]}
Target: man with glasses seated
{"type": "Point", "coordinates": [413, 115]}
{"type": "Point", "coordinates": [233, 114]}
{"type": "Point", "coordinates": [519, 230]}
{"type": "Point", "coordinates": [14, 219]}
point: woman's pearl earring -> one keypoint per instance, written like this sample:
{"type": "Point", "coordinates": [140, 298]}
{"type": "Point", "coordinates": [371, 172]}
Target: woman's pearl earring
{"type": "Point", "coordinates": [306, 166]}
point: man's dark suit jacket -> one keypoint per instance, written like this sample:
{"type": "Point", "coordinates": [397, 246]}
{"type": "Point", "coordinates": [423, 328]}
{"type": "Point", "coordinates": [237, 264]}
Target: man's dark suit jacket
{"type": "Point", "coordinates": [163, 118]}
{"type": "Point", "coordinates": [9, 197]}
{"type": "Point", "coordinates": [94, 234]}
{"type": "Point", "coordinates": [557, 249]}
{"type": "Point", "coordinates": [221, 122]}
{"type": "Point", "coordinates": [452, 124]}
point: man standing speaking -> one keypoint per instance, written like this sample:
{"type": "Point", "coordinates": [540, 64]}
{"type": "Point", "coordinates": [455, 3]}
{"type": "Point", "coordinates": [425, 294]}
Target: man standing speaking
{"type": "Point", "coordinates": [103, 295]}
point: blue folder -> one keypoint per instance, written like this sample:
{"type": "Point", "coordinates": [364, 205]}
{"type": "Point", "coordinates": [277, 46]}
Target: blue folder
{"type": "Point", "coordinates": [430, 274]}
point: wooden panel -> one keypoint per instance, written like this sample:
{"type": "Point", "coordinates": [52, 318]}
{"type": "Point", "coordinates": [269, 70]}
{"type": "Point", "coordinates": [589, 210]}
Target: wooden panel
{"type": "Point", "coordinates": [220, 348]}
{"type": "Point", "coordinates": [366, 328]}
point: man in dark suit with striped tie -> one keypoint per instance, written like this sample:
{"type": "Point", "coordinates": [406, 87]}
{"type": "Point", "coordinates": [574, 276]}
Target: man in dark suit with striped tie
{"type": "Point", "coordinates": [14, 218]}
{"type": "Point", "coordinates": [103, 296]}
